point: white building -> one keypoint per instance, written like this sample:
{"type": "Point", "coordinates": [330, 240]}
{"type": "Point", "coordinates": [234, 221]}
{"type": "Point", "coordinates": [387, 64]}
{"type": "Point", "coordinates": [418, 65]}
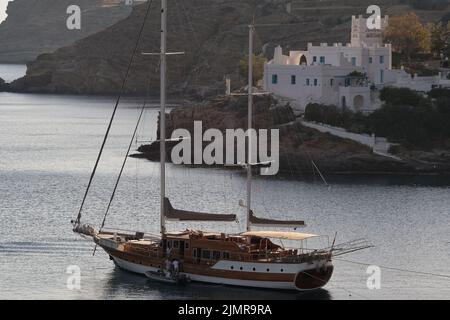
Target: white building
{"type": "Point", "coordinates": [322, 74]}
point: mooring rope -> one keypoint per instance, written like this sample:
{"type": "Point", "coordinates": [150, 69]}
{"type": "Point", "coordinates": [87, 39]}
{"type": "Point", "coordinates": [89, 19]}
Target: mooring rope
{"type": "Point", "coordinates": [397, 269]}
{"type": "Point", "coordinates": [147, 13]}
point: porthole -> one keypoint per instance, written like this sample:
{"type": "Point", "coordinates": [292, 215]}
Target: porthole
{"type": "Point", "coordinates": [268, 270]}
{"type": "Point", "coordinates": [254, 269]}
{"type": "Point", "coordinates": [282, 270]}
{"type": "Point", "coordinates": [240, 268]}
{"type": "Point", "coordinates": [231, 267]}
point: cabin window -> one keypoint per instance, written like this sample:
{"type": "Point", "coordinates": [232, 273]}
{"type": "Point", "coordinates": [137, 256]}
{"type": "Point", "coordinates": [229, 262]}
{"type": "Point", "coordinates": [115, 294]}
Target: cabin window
{"type": "Point", "coordinates": [206, 254]}
{"type": "Point", "coordinates": [186, 245]}
{"type": "Point", "coordinates": [274, 79]}
{"type": "Point", "coordinates": [195, 253]}
{"type": "Point", "coordinates": [176, 244]}
{"type": "Point", "coordinates": [293, 80]}
{"type": "Point", "coordinates": [226, 255]}
{"type": "Point", "coordinates": [169, 244]}
{"type": "Point", "coordinates": [216, 255]}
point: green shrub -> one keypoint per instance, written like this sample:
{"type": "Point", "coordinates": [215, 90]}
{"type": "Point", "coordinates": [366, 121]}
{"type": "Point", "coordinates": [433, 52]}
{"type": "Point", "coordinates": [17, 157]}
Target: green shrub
{"type": "Point", "coordinates": [439, 93]}
{"type": "Point", "coordinates": [401, 96]}
{"type": "Point", "coordinates": [406, 117]}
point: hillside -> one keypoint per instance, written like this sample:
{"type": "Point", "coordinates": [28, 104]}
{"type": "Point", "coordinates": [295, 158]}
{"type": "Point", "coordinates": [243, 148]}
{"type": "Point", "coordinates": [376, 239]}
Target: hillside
{"type": "Point", "coordinates": [299, 145]}
{"type": "Point", "coordinates": [39, 26]}
{"type": "Point", "coordinates": [213, 33]}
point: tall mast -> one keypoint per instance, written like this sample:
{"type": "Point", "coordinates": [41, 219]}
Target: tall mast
{"type": "Point", "coordinates": [162, 130]}
{"type": "Point", "coordinates": [250, 124]}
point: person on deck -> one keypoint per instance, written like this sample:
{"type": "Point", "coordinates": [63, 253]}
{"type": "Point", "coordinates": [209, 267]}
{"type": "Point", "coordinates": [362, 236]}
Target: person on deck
{"type": "Point", "coordinates": [176, 267]}
{"type": "Point", "coordinates": [168, 270]}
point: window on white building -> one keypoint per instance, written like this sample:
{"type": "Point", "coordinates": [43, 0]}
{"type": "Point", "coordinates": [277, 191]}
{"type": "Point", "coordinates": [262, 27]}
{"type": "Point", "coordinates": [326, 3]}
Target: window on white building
{"type": "Point", "coordinates": [315, 82]}
{"type": "Point", "coordinates": [322, 60]}
{"type": "Point", "coordinates": [370, 60]}
{"type": "Point", "coordinates": [353, 61]}
{"type": "Point", "coordinates": [274, 79]}
{"type": "Point", "coordinates": [331, 82]}
{"type": "Point", "coordinates": [293, 80]}
{"type": "Point", "coordinates": [381, 59]}
{"type": "Point", "coordinates": [314, 59]}
{"type": "Point", "coordinates": [307, 82]}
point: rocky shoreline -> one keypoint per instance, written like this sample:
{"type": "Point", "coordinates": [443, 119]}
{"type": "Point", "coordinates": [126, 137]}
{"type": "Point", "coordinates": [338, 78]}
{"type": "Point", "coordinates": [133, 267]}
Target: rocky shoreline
{"type": "Point", "coordinates": [300, 146]}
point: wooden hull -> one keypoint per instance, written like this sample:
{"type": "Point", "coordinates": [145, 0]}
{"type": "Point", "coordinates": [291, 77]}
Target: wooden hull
{"type": "Point", "coordinates": [279, 276]}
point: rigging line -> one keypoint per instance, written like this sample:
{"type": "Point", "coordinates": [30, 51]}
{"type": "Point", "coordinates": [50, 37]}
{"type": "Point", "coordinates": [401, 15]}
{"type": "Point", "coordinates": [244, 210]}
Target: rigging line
{"type": "Point", "coordinates": [309, 155]}
{"type": "Point", "coordinates": [320, 173]}
{"type": "Point", "coordinates": [397, 269]}
{"type": "Point", "coordinates": [114, 111]}
{"type": "Point", "coordinates": [121, 171]}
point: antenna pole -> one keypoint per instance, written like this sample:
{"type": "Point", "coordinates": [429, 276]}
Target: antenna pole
{"type": "Point", "coordinates": [250, 123]}
{"type": "Point", "coordinates": [162, 130]}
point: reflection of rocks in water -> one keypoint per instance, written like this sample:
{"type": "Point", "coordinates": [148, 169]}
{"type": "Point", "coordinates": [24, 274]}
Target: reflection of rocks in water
{"type": "Point", "coordinates": [125, 285]}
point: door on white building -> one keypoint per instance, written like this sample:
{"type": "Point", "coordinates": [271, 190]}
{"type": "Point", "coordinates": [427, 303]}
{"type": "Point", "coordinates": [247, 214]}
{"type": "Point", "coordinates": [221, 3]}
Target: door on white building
{"type": "Point", "coordinates": [358, 102]}
{"type": "Point", "coordinates": [303, 60]}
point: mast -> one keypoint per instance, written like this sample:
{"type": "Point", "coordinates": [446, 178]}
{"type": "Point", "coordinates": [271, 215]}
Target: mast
{"type": "Point", "coordinates": [250, 124]}
{"type": "Point", "coordinates": [162, 132]}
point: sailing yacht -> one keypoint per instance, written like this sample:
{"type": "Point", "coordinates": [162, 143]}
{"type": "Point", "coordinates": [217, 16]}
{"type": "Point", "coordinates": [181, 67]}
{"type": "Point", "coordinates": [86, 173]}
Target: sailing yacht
{"type": "Point", "coordinates": [252, 258]}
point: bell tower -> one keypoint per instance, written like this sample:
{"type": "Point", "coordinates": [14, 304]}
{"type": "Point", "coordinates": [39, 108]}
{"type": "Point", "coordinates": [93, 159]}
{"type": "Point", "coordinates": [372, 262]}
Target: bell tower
{"type": "Point", "coordinates": [363, 36]}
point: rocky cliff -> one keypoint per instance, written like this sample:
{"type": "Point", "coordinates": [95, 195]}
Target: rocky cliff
{"type": "Point", "coordinates": [299, 145]}
{"type": "Point", "coordinates": [214, 35]}
{"type": "Point", "coordinates": [39, 26]}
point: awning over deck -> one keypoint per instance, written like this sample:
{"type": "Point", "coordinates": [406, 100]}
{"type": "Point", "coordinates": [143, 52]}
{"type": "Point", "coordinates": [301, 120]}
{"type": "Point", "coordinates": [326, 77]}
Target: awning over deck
{"type": "Point", "coordinates": [183, 215]}
{"type": "Point", "coordinates": [279, 235]}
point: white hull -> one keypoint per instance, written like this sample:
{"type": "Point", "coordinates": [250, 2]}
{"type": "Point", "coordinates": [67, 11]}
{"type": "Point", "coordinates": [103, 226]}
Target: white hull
{"type": "Point", "coordinates": [141, 269]}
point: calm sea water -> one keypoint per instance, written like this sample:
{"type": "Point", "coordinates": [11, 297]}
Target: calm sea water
{"type": "Point", "coordinates": [10, 72]}
{"type": "Point", "coordinates": [48, 145]}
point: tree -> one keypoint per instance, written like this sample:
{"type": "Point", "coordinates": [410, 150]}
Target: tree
{"type": "Point", "coordinates": [258, 67]}
{"type": "Point", "coordinates": [440, 39]}
{"type": "Point", "coordinates": [408, 35]}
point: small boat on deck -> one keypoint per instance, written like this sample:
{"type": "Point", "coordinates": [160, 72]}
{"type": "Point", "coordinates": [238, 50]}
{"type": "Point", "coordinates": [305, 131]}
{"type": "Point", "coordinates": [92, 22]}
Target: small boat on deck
{"type": "Point", "coordinates": [161, 276]}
